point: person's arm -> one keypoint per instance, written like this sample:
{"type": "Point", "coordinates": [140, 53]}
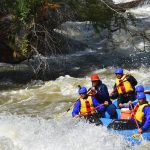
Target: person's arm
{"type": "Point", "coordinates": [96, 104]}
{"type": "Point", "coordinates": [114, 93]}
{"type": "Point", "coordinates": [133, 104]}
{"type": "Point", "coordinates": [146, 124]}
{"type": "Point", "coordinates": [76, 109]}
{"type": "Point", "coordinates": [115, 87]}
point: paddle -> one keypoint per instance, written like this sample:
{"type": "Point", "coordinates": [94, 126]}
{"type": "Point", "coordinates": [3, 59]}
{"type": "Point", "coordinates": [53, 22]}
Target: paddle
{"type": "Point", "coordinates": [147, 91]}
{"type": "Point", "coordinates": [136, 135]}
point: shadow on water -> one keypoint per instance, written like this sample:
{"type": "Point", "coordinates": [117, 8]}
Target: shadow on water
{"type": "Point", "coordinates": [77, 64]}
{"type": "Point", "coordinates": [83, 65]}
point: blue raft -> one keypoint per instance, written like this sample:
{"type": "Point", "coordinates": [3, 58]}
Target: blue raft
{"type": "Point", "coordinates": [131, 135]}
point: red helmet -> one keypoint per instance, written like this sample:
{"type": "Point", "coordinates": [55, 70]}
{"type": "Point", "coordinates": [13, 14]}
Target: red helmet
{"type": "Point", "coordinates": [95, 77]}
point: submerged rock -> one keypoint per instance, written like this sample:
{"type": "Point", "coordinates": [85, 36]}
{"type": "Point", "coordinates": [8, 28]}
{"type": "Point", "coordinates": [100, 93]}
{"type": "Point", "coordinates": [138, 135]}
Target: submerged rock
{"type": "Point", "coordinates": [21, 73]}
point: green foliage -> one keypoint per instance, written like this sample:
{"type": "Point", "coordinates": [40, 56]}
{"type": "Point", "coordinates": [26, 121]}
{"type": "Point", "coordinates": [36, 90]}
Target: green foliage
{"type": "Point", "coordinates": [98, 12]}
{"type": "Point", "coordinates": [23, 45]}
{"type": "Point", "coordinates": [95, 11]}
{"type": "Point", "coordinates": [22, 10]}
{"type": "Point", "coordinates": [27, 10]}
{"type": "Point", "coordinates": [102, 13]}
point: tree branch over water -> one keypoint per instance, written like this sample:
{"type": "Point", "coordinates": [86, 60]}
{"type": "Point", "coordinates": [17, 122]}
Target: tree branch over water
{"type": "Point", "coordinates": [31, 23]}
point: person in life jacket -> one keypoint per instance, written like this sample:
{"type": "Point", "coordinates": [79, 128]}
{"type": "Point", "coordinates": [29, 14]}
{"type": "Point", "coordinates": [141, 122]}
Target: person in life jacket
{"type": "Point", "coordinates": [100, 92]}
{"type": "Point", "coordinates": [138, 89]}
{"type": "Point", "coordinates": [142, 112]}
{"type": "Point", "coordinates": [124, 88]}
{"type": "Point", "coordinates": [87, 106]}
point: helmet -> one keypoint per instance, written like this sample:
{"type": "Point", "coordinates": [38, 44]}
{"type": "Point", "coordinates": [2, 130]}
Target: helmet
{"type": "Point", "coordinates": [141, 95]}
{"type": "Point", "coordinates": [119, 71]}
{"type": "Point", "coordinates": [95, 77]}
{"type": "Point", "coordinates": [82, 90]}
{"type": "Point", "coordinates": [139, 88]}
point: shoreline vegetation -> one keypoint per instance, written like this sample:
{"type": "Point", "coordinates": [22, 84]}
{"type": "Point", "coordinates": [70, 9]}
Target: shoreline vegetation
{"type": "Point", "coordinates": [27, 27]}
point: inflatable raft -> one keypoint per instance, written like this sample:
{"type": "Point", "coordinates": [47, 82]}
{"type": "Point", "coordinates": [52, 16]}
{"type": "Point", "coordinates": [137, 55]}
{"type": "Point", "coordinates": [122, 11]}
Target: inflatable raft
{"type": "Point", "coordinates": [124, 126]}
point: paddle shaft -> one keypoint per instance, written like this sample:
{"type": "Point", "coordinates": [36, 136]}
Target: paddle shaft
{"type": "Point", "coordinates": [147, 91]}
{"type": "Point", "coordinates": [137, 125]}
{"type": "Point", "coordinates": [134, 117]}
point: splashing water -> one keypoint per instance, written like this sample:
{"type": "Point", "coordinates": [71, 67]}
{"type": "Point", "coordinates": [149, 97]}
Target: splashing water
{"type": "Point", "coordinates": [35, 118]}
{"type": "Point", "coordinates": [22, 132]}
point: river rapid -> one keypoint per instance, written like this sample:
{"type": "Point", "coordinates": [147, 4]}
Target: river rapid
{"type": "Point", "coordinates": [34, 116]}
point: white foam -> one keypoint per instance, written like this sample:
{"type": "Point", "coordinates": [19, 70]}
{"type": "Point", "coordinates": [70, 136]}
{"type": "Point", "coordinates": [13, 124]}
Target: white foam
{"type": "Point", "coordinates": [141, 12]}
{"type": "Point", "coordinates": [26, 133]}
{"type": "Point", "coordinates": [122, 1]}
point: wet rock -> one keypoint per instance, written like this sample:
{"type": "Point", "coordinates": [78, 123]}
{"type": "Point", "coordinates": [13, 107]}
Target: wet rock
{"type": "Point", "coordinates": [15, 73]}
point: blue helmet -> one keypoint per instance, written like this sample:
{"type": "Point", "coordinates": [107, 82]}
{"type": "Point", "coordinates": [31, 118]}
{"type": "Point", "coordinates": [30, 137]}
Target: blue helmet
{"type": "Point", "coordinates": [119, 71]}
{"type": "Point", "coordinates": [141, 95]}
{"type": "Point", "coordinates": [139, 88]}
{"type": "Point", "coordinates": [82, 90]}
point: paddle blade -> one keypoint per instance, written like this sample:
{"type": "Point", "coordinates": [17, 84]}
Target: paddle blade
{"type": "Point", "coordinates": [147, 91]}
{"type": "Point", "coordinates": [137, 136]}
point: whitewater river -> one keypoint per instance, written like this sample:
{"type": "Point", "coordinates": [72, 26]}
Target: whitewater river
{"type": "Point", "coordinates": [34, 116]}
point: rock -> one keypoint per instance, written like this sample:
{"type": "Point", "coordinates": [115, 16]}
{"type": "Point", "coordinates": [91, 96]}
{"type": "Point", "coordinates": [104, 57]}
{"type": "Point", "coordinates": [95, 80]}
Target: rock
{"type": "Point", "coordinates": [8, 55]}
{"type": "Point", "coordinates": [16, 73]}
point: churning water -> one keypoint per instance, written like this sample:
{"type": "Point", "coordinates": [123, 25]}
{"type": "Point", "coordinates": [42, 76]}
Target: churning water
{"type": "Point", "coordinates": [35, 117]}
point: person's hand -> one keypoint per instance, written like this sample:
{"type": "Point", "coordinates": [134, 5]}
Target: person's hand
{"type": "Point", "coordinates": [106, 103]}
{"type": "Point", "coordinates": [140, 131]}
{"type": "Point", "coordinates": [110, 94]}
{"type": "Point", "coordinates": [121, 105]}
{"type": "Point", "coordinates": [130, 102]}
{"type": "Point", "coordinates": [93, 88]}
{"type": "Point", "coordinates": [76, 116]}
